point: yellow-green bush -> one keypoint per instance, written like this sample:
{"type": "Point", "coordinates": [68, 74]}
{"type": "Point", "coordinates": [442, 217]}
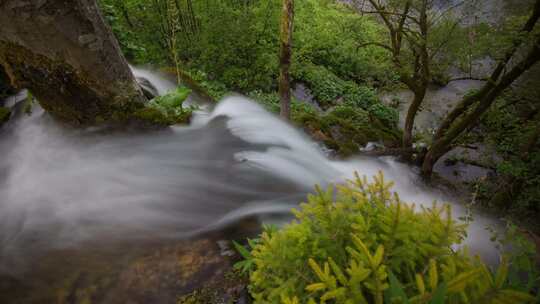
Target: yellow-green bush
{"type": "Point", "coordinates": [362, 244]}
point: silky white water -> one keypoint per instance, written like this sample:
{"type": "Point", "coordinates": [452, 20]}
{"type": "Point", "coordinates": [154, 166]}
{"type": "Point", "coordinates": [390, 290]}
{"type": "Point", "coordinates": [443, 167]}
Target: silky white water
{"type": "Point", "coordinates": [59, 187]}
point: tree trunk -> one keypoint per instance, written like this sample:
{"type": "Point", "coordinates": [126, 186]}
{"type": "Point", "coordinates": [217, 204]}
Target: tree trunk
{"type": "Point", "coordinates": [442, 144]}
{"type": "Point", "coordinates": [287, 18]}
{"type": "Point", "coordinates": [411, 114]}
{"type": "Point", "coordinates": [67, 56]}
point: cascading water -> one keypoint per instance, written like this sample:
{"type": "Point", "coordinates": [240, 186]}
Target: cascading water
{"type": "Point", "coordinates": [60, 187]}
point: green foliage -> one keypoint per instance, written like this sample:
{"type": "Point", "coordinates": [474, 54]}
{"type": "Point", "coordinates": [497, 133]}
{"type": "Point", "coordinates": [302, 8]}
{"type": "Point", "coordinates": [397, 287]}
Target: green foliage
{"type": "Point", "coordinates": [360, 243]}
{"type": "Point", "coordinates": [508, 127]}
{"type": "Point", "coordinates": [359, 96]}
{"type": "Point", "coordinates": [325, 85]}
{"type": "Point", "coordinates": [271, 102]}
{"type": "Point", "coordinates": [345, 128]}
{"type": "Point", "coordinates": [215, 89]}
{"type": "Point", "coordinates": [328, 88]}
{"type": "Point", "coordinates": [153, 116]}
{"type": "Point", "coordinates": [356, 127]}
{"type": "Point", "coordinates": [173, 99]}
{"type": "Point", "coordinates": [237, 45]}
{"type": "Point", "coordinates": [246, 265]}
{"type": "Point", "coordinates": [168, 109]}
{"type": "Point", "coordinates": [328, 34]}
{"type": "Point", "coordinates": [5, 113]}
{"type": "Point", "coordinates": [389, 116]}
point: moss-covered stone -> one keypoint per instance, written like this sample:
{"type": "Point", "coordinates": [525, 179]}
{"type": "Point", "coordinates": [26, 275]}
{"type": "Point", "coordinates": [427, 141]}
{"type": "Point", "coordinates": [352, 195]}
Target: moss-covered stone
{"type": "Point", "coordinates": [229, 290]}
{"type": "Point", "coordinates": [152, 116]}
{"type": "Point", "coordinates": [167, 109]}
{"type": "Point", "coordinates": [346, 129]}
{"type": "Point", "coordinates": [68, 94]}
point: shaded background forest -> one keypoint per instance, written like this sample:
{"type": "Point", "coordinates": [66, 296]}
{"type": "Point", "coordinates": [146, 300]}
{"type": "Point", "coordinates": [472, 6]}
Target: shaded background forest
{"type": "Point", "coordinates": [227, 46]}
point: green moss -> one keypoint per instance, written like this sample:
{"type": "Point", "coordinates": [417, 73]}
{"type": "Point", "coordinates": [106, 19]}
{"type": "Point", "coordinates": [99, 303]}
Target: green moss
{"type": "Point", "coordinates": [226, 290]}
{"type": "Point", "coordinates": [325, 85]}
{"type": "Point", "coordinates": [153, 116]}
{"type": "Point", "coordinates": [201, 83]}
{"type": "Point", "coordinates": [349, 128]}
{"type": "Point", "coordinates": [200, 296]}
{"type": "Point", "coordinates": [345, 129]}
{"type": "Point", "coordinates": [5, 113]}
{"type": "Point", "coordinates": [171, 107]}
{"type": "Point", "coordinates": [388, 116]}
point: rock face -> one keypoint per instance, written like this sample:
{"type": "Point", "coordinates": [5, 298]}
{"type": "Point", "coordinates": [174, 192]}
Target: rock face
{"type": "Point", "coordinates": [67, 56]}
{"type": "Point", "coordinates": [196, 271]}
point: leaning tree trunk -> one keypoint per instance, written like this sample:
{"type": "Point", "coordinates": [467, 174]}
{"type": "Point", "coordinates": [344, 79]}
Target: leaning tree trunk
{"type": "Point", "coordinates": [67, 56]}
{"type": "Point", "coordinates": [419, 94]}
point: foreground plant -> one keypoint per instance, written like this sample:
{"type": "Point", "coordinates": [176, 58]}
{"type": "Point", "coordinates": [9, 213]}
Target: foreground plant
{"type": "Point", "coordinates": [362, 244]}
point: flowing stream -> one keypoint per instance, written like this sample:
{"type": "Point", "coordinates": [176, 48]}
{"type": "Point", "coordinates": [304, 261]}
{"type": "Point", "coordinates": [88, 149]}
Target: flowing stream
{"type": "Point", "coordinates": [60, 188]}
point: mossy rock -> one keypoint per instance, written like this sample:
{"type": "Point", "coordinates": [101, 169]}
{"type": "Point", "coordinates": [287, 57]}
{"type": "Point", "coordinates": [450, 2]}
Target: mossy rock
{"type": "Point", "coordinates": [152, 116]}
{"type": "Point", "coordinates": [347, 128]}
{"type": "Point", "coordinates": [232, 289]}
{"type": "Point", "coordinates": [166, 110]}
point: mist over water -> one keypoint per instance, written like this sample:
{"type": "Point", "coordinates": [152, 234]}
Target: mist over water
{"type": "Point", "coordinates": [61, 187]}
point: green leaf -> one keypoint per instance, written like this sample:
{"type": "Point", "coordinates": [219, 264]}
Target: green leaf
{"type": "Point", "coordinates": [459, 283]}
{"type": "Point", "coordinates": [173, 99]}
{"type": "Point", "coordinates": [244, 252]}
{"type": "Point", "coordinates": [433, 275]}
{"type": "Point", "coordinates": [396, 291]}
{"type": "Point", "coordinates": [502, 273]}
{"type": "Point", "coordinates": [439, 295]}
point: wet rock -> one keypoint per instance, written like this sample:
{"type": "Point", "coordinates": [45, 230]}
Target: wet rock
{"type": "Point", "coordinates": [302, 93]}
{"type": "Point", "coordinates": [148, 89]}
{"type": "Point", "coordinates": [467, 164]}
{"type": "Point", "coordinates": [183, 271]}
{"type": "Point", "coordinates": [156, 272]}
{"type": "Point", "coordinates": [225, 248]}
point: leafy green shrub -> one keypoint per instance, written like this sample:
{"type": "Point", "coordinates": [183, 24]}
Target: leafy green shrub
{"type": "Point", "coordinates": [359, 96]}
{"type": "Point", "coordinates": [325, 85]}
{"type": "Point", "coordinates": [345, 129]}
{"type": "Point", "coordinates": [389, 116]}
{"type": "Point", "coordinates": [362, 244]}
{"type": "Point", "coordinates": [355, 115]}
{"type": "Point", "coordinates": [173, 99]}
{"type": "Point", "coordinates": [328, 88]}
{"type": "Point", "coordinates": [327, 33]}
{"type": "Point", "coordinates": [170, 106]}
{"type": "Point", "coordinates": [215, 89]}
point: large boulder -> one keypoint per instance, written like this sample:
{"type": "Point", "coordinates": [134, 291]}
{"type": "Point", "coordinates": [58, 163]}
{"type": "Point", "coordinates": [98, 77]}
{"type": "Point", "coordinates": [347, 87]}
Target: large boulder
{"type": "Point", "coordinates": [67, 56]}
